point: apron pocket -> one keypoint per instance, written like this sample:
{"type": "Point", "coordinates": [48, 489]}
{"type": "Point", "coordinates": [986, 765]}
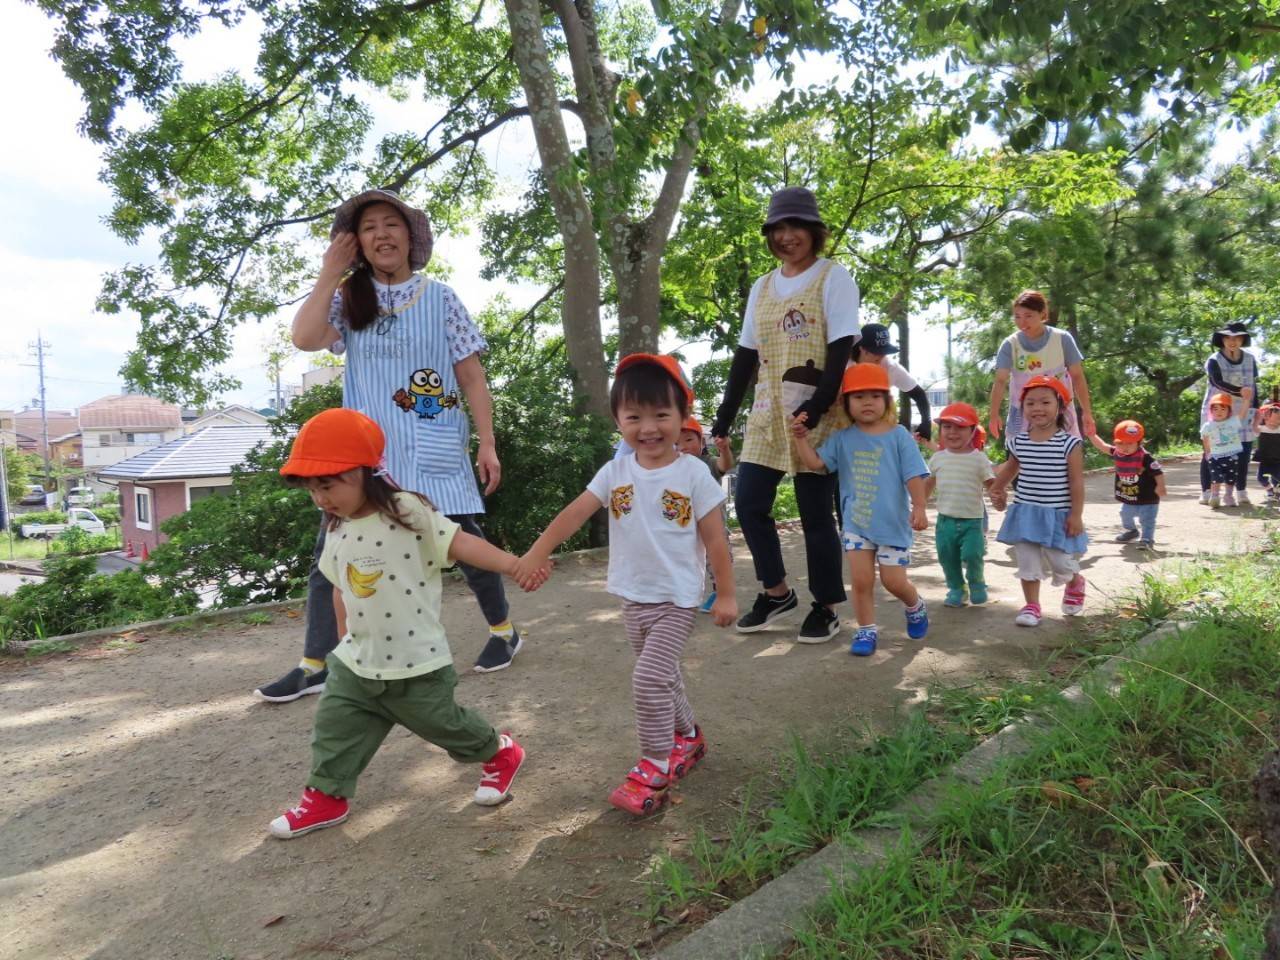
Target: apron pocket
{"type": "Point", "coordinates": [441, 449]}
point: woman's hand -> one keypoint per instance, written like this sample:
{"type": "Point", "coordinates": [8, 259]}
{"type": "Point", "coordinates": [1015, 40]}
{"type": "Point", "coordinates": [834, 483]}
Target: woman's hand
{"type": "Point", "coordinates": [489, 467]}
{"type": "Point", "coordinates": [1087, 426]}
{"type": "Point", "coordinates": [340, 256]}
{"type": "Point", "coordinates": [994, 426]}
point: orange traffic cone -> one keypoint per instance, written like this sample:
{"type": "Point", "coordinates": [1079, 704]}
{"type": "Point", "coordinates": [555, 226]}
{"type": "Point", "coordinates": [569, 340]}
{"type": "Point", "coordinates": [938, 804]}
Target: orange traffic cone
{"type": "Point", "coordinates": [146, 554]}
{"type": "Point", "coordinates": [128, 548]}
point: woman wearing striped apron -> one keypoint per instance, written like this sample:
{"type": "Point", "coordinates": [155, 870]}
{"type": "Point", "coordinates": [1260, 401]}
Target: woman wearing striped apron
{"type": "Point", "coordinates": [797, 335]}
{"type": "Point", "coordinates": [412, 356]}
{"type": "Point", "coordinates": [1233, 371]}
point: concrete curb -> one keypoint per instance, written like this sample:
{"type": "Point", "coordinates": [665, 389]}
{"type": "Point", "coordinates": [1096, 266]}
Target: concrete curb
{"type": "Point", "coordinates": [168, 623]}
{"type": "Point", "coordinates": [762, 924]}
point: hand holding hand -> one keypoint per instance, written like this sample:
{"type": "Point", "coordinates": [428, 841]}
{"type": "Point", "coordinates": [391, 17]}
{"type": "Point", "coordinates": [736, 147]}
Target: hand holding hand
{"type": "Point", "coordinates": [1087, 426]}
{"type": "Point", "coordinates": [725, 610]}
{"type": "Point", "coordinates": [800, 426]}
{"type": "Point", "coordinates": [919, 519]}
{"type": "Point", "coordinates": [531, 571]}
{"type": "Point", "coordinates": [999, 498]}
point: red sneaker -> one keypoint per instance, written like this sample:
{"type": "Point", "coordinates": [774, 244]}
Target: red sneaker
{"type": "Point", "coordinates": [499, 771]}
{"type": "Point", "coordinates": [644, 790]}
{"type": "Point", "coordinates": [686, 752]}
{"type": "Point", "coordinates": [314, 811]}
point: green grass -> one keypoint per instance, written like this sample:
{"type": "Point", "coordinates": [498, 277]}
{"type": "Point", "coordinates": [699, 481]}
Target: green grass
{"type": "Point", "coordinates": [1121, 834]}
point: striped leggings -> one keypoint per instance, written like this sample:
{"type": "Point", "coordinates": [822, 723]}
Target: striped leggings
{"type": "Point", "coordinates": [657, 633]}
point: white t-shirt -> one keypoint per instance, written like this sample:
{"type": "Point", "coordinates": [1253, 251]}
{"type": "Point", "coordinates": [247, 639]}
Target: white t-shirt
{"type": "Point", "coordinates": [840, 301]}
{"type": "Point", "coordinates": [899, 378]}
{"type": "Point", "coordinates": [655, 554]}
{"type": "Point", "coordinates": [960, 477]}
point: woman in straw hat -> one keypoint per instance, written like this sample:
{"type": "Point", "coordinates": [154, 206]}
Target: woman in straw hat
{"type": "Point", "coordinates": [412, 355]}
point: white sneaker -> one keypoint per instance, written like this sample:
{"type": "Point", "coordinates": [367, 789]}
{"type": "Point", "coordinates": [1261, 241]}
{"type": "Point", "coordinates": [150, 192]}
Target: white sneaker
{"type": "Point", "coordinates": [1229, 498]}
{"type": "Point", "coordinates": [1242, 498]}
{"type": "Point", "coordinates": [1204, 497]}
{"type": "Point", "coordinates": [1028, 616]}
{"type": "Point", "coordinates": [1215, 503]}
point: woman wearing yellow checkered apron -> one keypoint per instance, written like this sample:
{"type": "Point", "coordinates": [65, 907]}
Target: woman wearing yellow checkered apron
{"type": "Point", "coordinates": [797, 336]}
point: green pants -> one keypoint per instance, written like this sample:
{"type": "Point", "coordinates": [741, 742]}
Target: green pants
{"type": "Point", "coordinates": [961, 546]}
{"type": "Point", "coordinates": [355, 715]}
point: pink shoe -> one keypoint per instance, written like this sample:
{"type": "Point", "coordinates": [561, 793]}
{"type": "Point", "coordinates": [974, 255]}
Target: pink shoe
{"type": "Point", "coordinates": [1028, 616]}
{"type": "Point", "coordinates": [1073, 597]}
{"type": "Point", "coordinates": [499, 771]}
{"type": "Point", "coordinates": [686, 752]}
{"type": "Point", "coordinates": [315, 811]}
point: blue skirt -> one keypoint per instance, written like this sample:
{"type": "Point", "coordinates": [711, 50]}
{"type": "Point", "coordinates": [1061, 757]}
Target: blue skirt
{"type": "Point", "coordinates": [1047, 526]}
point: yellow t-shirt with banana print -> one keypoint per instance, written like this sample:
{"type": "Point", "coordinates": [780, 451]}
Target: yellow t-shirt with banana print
{"type": "Point", "coordinates": [389, 575]}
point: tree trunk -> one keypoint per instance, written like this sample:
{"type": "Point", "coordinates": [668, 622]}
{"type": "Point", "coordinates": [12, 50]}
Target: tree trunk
{"type": "Point", "coordinates": [581, 307]}
{"type": "Point", "coordinates": [895, 312]}
{"type": "Point", "coordinates": [637, 271]}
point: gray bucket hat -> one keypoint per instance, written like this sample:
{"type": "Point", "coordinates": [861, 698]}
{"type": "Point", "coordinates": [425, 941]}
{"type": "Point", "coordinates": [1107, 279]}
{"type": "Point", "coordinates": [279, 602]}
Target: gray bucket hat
{"type": "Point", "coordinates": [1236, 329]}
{"type": "Point", "coordinates": [420, 238]}
{"type": "Point", "coordinates": [792, 203]}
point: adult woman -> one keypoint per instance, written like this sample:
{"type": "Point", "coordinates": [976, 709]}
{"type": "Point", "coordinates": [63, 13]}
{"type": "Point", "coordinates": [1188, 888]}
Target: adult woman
{"type": "Point", "coordinates": [797, 334]}
{"type": "Point", "coordinates": [410, 348]}
{"type": "Point", "coordinates": [876, 346]}
{"type": "Point", "coordinates": [1036, 349]}
{"type": "Point", "coordinates": [1232, 371]}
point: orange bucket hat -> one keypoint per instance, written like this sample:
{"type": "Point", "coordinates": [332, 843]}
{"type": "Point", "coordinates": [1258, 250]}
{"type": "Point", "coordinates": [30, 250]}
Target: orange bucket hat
{"type": "Point", "coordinates": [1041, 380]}
{"type": "Point", "coordinates": [960, 414]}
{"type": "Point", "coordinates": [864, 376]}
{"type": "Point", "coordinates": [334, 442]}
{"type": "Point", "coordinates": [666, 362]}
{"type": "Point", "coordinates": [1128, 431]}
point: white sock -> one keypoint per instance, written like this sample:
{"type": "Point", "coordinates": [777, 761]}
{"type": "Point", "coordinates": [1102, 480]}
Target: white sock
{"type": "Point", "coordinates": [664, 764]}
{"type": "Point", "coordinates": [866, 626]}
{"type": "Point", "coordinates": [916, 606]}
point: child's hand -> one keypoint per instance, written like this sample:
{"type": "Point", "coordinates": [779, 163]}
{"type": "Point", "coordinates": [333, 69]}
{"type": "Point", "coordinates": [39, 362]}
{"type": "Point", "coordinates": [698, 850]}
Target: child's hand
{"type": "Point", "coordinates": [999, 498]}
{"type": "Point", "coordinates": [725, 610]}
{"type": "Point", "coordinates": [800, 426]}
{"type": "Point", "coordinates": [1075, 525]}
{"type": "Point", "coordinates": [919, 519]}
{"type": "Point", "coordinates": [531, 571]}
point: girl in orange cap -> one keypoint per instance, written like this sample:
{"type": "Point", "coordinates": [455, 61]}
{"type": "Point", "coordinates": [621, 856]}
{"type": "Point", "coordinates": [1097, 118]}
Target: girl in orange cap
{"type": "Point", "coordinates": [960, 471]}
{"type": "Point", "coordinates": [879, 468]}
{"type": "Point", "coordinates": [1222, 436]}
{"type": "Point", "coordinates": [383, 554]}
{"type": "Point", "coordinates": [1045, 522]}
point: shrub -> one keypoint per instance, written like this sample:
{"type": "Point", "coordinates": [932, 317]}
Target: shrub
{"type": "Point", "coordinates": [39, 516]}
{"type": "Point", "coordinates": [108, 515]}
{"type": "Point", "coordinates": [72, 597]}
{"type": "Point", "coordinates": [75, 541]}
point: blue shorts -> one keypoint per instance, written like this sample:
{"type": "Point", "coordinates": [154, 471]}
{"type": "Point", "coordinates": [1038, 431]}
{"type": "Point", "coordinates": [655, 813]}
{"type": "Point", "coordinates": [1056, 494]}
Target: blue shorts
{"type": "Point", "coordinates": [887, 556]}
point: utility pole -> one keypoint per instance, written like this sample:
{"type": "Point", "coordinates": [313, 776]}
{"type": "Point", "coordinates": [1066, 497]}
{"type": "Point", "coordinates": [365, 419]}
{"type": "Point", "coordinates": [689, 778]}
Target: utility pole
{"type": "Point", "coordinates": [38, 349]}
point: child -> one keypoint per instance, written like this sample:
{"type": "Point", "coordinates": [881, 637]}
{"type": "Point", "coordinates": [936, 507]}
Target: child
{"type": "Point", "coordinates": [1220, 435]}
{"type": "Point", "coordinates": [960, 471]}
{"type": "Point", "coordinates": [663, 523]}
{"type": "Point", "coordinates": [1045, 523]}
{"type": "Point", "coordinates": [693, 442]}
{"type": "Point", "coordinates": [1139, 482]}
{"type": "Point", "coordinates": [1267, 452]}
{"type": "Point", "coordinates": [384, 551]}
{"type": "Point", "coordinates": [879, 466]}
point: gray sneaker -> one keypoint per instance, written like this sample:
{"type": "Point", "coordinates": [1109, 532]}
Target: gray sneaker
{"type": "Point", "coordinates": [499, 652]}
{"type": "Point", "coordinates": [293, 685]}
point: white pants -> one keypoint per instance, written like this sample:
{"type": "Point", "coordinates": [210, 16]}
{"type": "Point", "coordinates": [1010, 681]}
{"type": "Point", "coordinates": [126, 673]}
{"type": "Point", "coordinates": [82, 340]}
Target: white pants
{"type": "Point", "coordinates": [1032, 559]}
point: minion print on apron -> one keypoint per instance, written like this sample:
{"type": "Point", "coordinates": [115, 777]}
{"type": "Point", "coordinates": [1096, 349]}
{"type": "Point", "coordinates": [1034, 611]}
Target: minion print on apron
{"type": "Point", "coordinates": [792, 338]}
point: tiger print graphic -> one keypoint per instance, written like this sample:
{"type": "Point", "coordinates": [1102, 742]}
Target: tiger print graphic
{"type": "Point", "coordinates": [620, 500]}
{"type": "Point", "coordinates": [677, 507]}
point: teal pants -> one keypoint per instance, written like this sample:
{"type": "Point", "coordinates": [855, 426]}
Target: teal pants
{"type": "Point", "coordinates": [355, 715]}
{"type": "Point", "coordinates": [961, 546]}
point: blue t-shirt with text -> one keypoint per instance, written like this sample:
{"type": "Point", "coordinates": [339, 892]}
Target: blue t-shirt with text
{"type": "Point", "coordinates": [873, 470]}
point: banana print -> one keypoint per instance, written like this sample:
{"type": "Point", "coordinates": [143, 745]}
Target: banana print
{"type": "Point", "coordinates": [362, 583]}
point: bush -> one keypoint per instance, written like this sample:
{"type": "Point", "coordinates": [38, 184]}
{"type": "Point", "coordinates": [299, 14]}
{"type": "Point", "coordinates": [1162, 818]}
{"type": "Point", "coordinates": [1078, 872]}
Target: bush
{"type": "Point", "coordinates": [73, 598]}
{"type": "Point", "coordinates": [75, 541]}
{"type": "Point", "coordinates": [38, 516]}
{"type": "Point", "coordinates": [108, 515]}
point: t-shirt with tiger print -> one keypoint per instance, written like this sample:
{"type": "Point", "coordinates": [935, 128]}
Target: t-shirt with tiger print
{"type": "Point", "coordinates": [655, 554]}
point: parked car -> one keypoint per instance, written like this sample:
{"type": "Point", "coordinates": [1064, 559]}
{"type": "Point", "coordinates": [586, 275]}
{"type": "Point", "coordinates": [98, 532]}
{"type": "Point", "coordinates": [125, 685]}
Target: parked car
{"type": "Point", "coordinates": [86, 520]}
{"type": "Point", "coordinates": [81, 497]}
{"type": "Point", "coordinates": [34, 496]}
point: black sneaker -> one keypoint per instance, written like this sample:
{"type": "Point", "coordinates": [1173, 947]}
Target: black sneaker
{"type": "Point", "coordinates": [499, 652]}
{"type": "Point", "coordinates": [294, 684]}
{"type": "Point", "coordinates": [819, 626]}
{"type": "Point", "coordinates": [765, 610]}
{"type": "Point", "coordinates": [1128, 536]}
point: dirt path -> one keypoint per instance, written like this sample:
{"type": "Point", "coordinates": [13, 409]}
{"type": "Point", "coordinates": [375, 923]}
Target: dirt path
{"type": "Point", "coordinates": [138, 783]}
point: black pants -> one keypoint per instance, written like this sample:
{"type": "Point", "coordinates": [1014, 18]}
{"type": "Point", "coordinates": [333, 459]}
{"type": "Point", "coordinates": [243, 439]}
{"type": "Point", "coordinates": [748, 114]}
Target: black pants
{"type": "Point", "coordinates": [815, 496]}
{"type": "Point", "coordinates": [1242, 468]}
{"type": "Point", "coordinates": [322, 623]}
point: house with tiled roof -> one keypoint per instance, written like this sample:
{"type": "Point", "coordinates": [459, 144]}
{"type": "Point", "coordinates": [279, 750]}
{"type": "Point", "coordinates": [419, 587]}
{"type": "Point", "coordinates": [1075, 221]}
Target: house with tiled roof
{"type": "Point", "coordinates": [234, 415]}
{"type": "Point", "coordinates": [27, 423]}
{"type": "Point", "coordinates": [166, 480]}
{"type": "Point", "coordinates": [116, 428]}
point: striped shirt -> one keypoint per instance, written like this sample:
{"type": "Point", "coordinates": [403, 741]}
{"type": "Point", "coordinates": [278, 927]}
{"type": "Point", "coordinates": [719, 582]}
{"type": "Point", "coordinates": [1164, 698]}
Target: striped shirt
{"type": "Point", "coordinates": [1042, 469]}
{"type": "Point", "coordinates": [399, 372]}
{"type": "Point", "coordinates": [960, 477]}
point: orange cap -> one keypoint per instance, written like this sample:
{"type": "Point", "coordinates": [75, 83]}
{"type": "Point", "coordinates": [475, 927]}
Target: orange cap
{"type": "Point", "coordinates": [665, 361]}
{"type": "Point", "coordinates": [333, 442]}
{"type": "Point", "coordinates": [1041, 380]}
{"type": "Point", "coordinates": [692, 424]}
{"type": "Point", "coordinates": [979, 438]}
{"type": "Point", "coordinates": [960, 414]}
{"type": "Point", "coordinates": [864, 376]}
{"type": "Point", "coordinates": [1128, 431]}
{"type": "Point", "coordinates": [1220, 400]}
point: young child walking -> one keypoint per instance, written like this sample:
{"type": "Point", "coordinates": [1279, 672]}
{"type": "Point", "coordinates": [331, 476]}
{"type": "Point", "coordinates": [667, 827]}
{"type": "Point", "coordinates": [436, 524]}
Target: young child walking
{"type": "Point", "coordinates": [1139, 482]}
{"type": "Point", "coordinates": [879, 468]}
{"type": "Point", "coordinates": [960, 471]}
{"type": "Point", "coordinates": [1221, 435]}
{"type": "Point", "coordinates": [1045, 522]}
{"type": "Point", "coordinates": [664, 522]}
{"type": "Point", "coordinates": [383, 552]}
{"type": "Point", "coordinates": [1267, 450]}
{"type": "Point", "coordinates": [693, 442]}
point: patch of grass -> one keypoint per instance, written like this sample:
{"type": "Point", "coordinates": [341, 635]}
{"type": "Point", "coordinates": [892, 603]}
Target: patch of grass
{"type": "Point", "coordinates": [1127, 831]}
{"type": "Point", "coordinates": [257, 618]}
{"type": "Point", "coordinates": [41, 648]}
